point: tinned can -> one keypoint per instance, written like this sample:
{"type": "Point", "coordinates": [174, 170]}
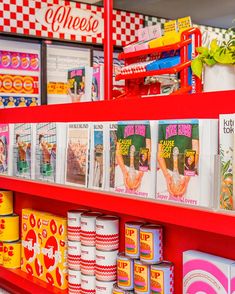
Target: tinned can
{"type": "Point", "coordinates": [106, 265]}
{"type": "Point", "coordinates": [141, 277]}
{"type": "Point", "coordinates": [74, 281]}
{"type": "Point", "coordinates": [132, 239]}
{"type": "Point", "coordinates": [9, 228]}
{"type": "Point", "coordinates": [88, 228]}
{"type": "Point", "coordinates": [74, 224]}
{"type": "Point", "coordinates": [87, 284]}
{"type": "Point", "coordinates": [1, 253]}
{"type": "Point", "coordinates": [12, 254]}
{"type": "Point", "coordinates": [88, 260]}
{"type": "Point", "coordinates": [6, 202]}
{"type": "Point", "coordinates": [125, 272]}
{"type": "Point", "coordinates": [162, 278]}
{"type": "Point", "coordinates": [74, 255]}
{"type": "Point", "coordinates": [117, 290]}
{"type": "Point", "coordinates": [104, 287]}
{"type": "Point", "coordinates": [151, 244]}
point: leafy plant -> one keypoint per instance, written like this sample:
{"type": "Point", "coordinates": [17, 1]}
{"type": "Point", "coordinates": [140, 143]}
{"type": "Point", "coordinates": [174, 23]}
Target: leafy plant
{"type": "Point", "coordinates": [223, 54]}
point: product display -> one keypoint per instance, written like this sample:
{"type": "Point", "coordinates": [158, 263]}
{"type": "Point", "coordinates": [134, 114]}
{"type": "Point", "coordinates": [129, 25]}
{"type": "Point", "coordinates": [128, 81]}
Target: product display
{"type": "Point", "coordinates": [74, 255]}
{"type": "Point", "coordinates": [125, 267]}
{"type": "Point", "coordinates": [88, 228]}
{"type": "Point", "coordinates": [141, 277]}
{"type": "Point", "coordinates": [9, 228]}
{"type": "Point", "coordinates": [88, 284]}
{"type": "Point", "coordinates": [106, 265]}
{"type": "Point", "coordinates": [74, 281]}
{"type": "Point", "coordinates": [5, 150]}
{"type": "Point", "coordinates": [6, 203]}
{"type": "Point", "coordinates": [11, 254]}
{"type": "Point", "coordinates": [162, 278]}
{"type": "Point", "coordinates": [74, 224]}
{"type": "Point", "coordinates": [132, 239]}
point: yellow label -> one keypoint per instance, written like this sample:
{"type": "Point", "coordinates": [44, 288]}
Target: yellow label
{"type": "Point", "coordinates": [141, 278]}
{"type": "Point", "coordinates": [146, 246]}
{"type": "Point", "coordinates": [157, 281]}
{"type": "Point", "coordinates": [131, 241]}
{"type": "Point", "coordinates": [11, 255]}
{"type": "Point", "coordinates": [184, 23]}
{"type": "Point", "coordinates": [1, 253]}
{"type": "Point", "coordinates": [6, 202]}
{"type": "Point", "coordinates": [124, 273]}
{"type": "Point", "coordinates": [118, 292]}
{"type": "Point", "coordinates": [9, 228]}
{"type": "Point", "coordinates": [170, 27]}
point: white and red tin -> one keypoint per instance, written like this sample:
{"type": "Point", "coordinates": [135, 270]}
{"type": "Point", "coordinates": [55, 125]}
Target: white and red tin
{"type": "Point", "coordinates": [106, 265]}
{"type": "Point", "coordinates": [87, 284]}
{"type": "Point", "coordinates": [141, 277]}
{"type": "Point", "coordinates": [1, 253]}
{"type": "Point", "coordinates": [162, 278]}
{"type": "Point", "coordinates": [88, 260]}
{"type": "Point", "coordinates": [74, 224]}
{"type": "Point", "coordinates": [151, 244]}
{"type": "Point", "coordinates": [125, 272]}
{"type": "Point", "coordinates": [132, 239]}
{"type": "Point", "coordinates": [117, 290]}
{"type": "Point", "coordinates": [107, 233]}
{"type": "Point", "coordinates": [74, 281]}
{"type": "Point", "coordinates": [104, 287]}
{"type": "Point", "coordinates": [6, 202]}
{"type": "Point", "coordinates": [88, 228]}
{"type": "Point", "coordinates": [74, 255]}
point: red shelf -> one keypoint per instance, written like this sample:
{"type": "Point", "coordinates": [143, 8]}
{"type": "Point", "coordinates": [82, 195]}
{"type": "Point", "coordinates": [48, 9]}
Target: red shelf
{"type": "Point", "coordinates": [16, 280]}
{"type": "Point", "coordinates": [194, 218]}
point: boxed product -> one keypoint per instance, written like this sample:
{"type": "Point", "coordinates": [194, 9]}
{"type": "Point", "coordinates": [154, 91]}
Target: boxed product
{"type": "Point", "coordinates": [6, 149]}
{"type": "Point", "coordinates": [202, 271]}
{"type": "Point", "coordinates": [97, 88]}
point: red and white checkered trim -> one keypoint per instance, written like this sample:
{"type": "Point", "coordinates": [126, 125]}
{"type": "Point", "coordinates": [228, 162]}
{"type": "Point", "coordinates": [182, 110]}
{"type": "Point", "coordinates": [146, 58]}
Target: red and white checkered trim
{"type": "Point", "coordinates": [18, 17]}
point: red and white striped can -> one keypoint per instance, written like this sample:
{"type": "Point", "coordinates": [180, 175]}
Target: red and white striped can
{"type": "Point", "coordinates": [88, 260]}
{"type": "Point", "coordinates": [87, 284]}
{"type": "Point", "coordinates": [74, 255]}
{"type": "Point", "coordinates": [88, 228]}
{"type": "Point", "coordinates": [106, 265]}
{"type": "Point", "coordinates": [107, 233]}
{"type": "Point", "coordinates": [104, 287]}
{"type": "Point", "coordinates": [74, 285]}
{"type": "Point", "coordinates": [74, 224]}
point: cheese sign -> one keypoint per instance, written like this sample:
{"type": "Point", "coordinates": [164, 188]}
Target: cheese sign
{"type": "Point", "coordinates": [71, 20]}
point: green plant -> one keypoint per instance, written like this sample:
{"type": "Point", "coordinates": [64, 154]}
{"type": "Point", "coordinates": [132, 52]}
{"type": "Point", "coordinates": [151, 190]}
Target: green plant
{"type": "Point", "coordinates": [223, 54]}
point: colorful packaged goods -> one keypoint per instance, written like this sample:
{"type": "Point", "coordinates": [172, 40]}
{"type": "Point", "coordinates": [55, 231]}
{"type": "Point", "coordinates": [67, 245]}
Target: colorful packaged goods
{"type": "Point", "coordinates": [106, 265]}
{"type": "Point", "coordinates": [6, 202]}
{"type": "Point", "coordinates": [117, 290]}
{"type": "Point", "coordinates": [141, 277]}
{"type": "Point", "coordinates": [125, 272]}
{"type": "Point", "coordinates": [162, 278]}
{"type": "Point", "coordinates": [74, 255]}
{"type": "Point", "coordinates": [88, 260]}
{"type": "Point", "coordinates": [74, 281]}
{"type": "Point", "coordinates": [88, 228]}
{"type": "Point", "coordinates": [74, 224]}
{"type": "Point", "coordinates": [9, 228]}
{"type": "Point", "coordinates": [12, 254]}
{"type": "Point", "coordinates": [132, 239]}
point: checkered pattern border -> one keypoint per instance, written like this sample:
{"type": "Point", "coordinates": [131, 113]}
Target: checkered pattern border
{"type": "Point", "coordinates": [18, 17]}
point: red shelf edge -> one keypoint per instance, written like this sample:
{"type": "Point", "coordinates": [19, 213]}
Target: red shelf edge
{"type": "Point", "coordinates": [190, 217]}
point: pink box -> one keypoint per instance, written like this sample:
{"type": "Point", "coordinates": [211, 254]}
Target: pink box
{"type": "Point", "coordinates": [143, 34]}
{"type": "Point", "coordinates": [129, 48]}
{"type": "Point", "coordinates": [155, 31]}
{"type": "Point", "coordinates": [142, 46]}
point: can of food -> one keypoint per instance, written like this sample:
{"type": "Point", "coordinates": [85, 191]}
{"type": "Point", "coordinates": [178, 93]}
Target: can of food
{"type": "Point", "coordinates": [106, 265]}
{"type": "Point", "coordinates": [9, 228]}
{"type": "Point", "coordinates": [11, 254]}
{"type": "Point", "coordinates": [151, 244]}
{"type": "Point", "coordinates": [74, 255]}
{"type": "Point", "coordinates": [107, 233]}
{"type": "Point", "coordinates": [6, 202]}
{"type": "Point", "coordinates": [88, 260]}
{"type": "Point", "coordinates": [74, 281]}
{"type": "Point", "coordinates": [117, 290]}
{"type": "Point", "coordinates": [87, 284]}
{"type": "Point", "coordinates": [88, 228]}
{"type": "Point", "coordinates": [104, 287]}
{"type": "Point", "coordinates": [132, 239]}
{"type": "Point", "coordinates": [74, 224]}
{"type": "Point", "coordinates": [1, 253]}
{"type": "Point", "coordinates": [141, 277]}
{"type": "Point", "coordinates": [125, 272]}
{"type": "Point", "coordinates": [162, 278]}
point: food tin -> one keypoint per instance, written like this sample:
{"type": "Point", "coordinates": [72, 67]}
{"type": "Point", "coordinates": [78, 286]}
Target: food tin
{"type": "Point", "coordinates": [125, 272]}
{"type": "Point", "coordinates": [162, 278]}
{"type": "Point", "coordinates": [74, 283]}
{"type": "Point", "coordinates": [9, 228]}
{"type": "Point", "coordinates": [12, 254]}
{"type": "Point", "coordinates": [74, 255]}
{"type": "Point", "coordinates": [107, 233]}
{"type": "Point", "coordinates": [6, 202]}
{"type": "Point", "coordinates": [106, 265]}
{"type": "Point", "coordinates": [88, 260]}
{"type": "Point", "coordinates": [132, 239]}
{"type": "Point", "coordinates": [151, 244]}
{"type": "Point", "coordinates": [74, 224]}
{"type": "Point", "coordinates": [1, 253]}
{"type": "Point", "coordinates": [141, 277]}
{"type": "Point", "coordinates": [117, 290]}
{"type": "Point", "coordinates": [104, 287]}
{"type": "Point", "coordinates": [87, 284]}
{"type": "Point", "coordinates": [88, 228]}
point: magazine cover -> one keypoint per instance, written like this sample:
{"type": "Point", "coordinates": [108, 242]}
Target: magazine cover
{"type": "Point", "coordinates": [4, 148]}
{"type": "Point", "coordinates": [77, 154]}
{"type": "Point", "coordinates": [135, 154]}
{"type": "Point", "coordinates": [97, 157]}
{"type": "Point", "coordinates": [97, 90]}
{"type": "Point", "coordinates": [23, 141]}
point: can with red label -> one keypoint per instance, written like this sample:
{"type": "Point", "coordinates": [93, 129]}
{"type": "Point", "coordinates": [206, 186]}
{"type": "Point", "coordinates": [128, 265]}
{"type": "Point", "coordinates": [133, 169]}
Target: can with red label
{"type": "Point", "coordinates": [151, 244]}
{"type": "Point", "coordinates": [6, 202]}
{"type": "Point", "coordinates": [141, 277]}
{"type": "Point", "coordinates": [88, 228]}
{"type": "Point", "coordinates": [104, 287]}
{"type": "Point", "coordinates": [162, 278]}
{"type": "Point", "coordinates": [9, 228]}
{"type": "Point", "coordinates": [107, 233]}
{"type": "Point", "coordinates": [74, 281]}
{"type": "Point", "coordinates": [74, 224]}
{"type": "Point", "coordinates": [1, 253]}
{"type": "Point", "coordinates": [87, 284]}
{"type": "Point", "coordinates": [88, 260]}
{"type": "Point", "coordinates": [125, 272]}
{"type": "Point", "coordinates": [12, 254]}
{"type": "Point", "coordinates": [132, 239]}
{"type": "Point", "coordinates": [106, 265]}
{"type": "Point", "coordinates": [117, 290]}
{"type": "Point", "coordinates": [74, 255]}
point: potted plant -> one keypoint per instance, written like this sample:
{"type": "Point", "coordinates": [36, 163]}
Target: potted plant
{"type": "Point", "coordinates": [218, 62]}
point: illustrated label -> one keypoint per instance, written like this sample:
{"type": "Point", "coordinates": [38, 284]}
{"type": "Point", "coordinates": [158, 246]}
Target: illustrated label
{"type": "Point", "coordinates": [157, 282]}
{"type": "Point", "coordinates": [146, 245]}
{"type": "Point", "coordinates": [131, 241]}
{"type": "Point", "coordinates": [124, 273]}
{"type": "Point", "coordinates": [141, 278]}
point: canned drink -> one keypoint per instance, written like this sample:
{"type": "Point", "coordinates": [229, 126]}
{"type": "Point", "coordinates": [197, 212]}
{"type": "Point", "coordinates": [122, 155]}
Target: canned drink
{"type": "Point", "coordinates": [107, 233]}
{"type": "Point", "coordinates": [104, 287]}
{"type": "Point", "coordinates": [141, 277]}
{"type": "Point", "coordinates": [125, 272]}
{"type": "Point", "coordinates": [87, 284]}
{"type": "Point", "coordinates": [6, 202]}
{"type": "Point", "coordinates": [162, 278]}
{"type": "Point", "coordinates": [74, 281]}
{"type": "Point", "coordinates": [117, 290]}
{"type": "Point", "coordinates": [106, 265]}
{"type": "Point", "coordinates": [1, 253]}
{"type": "Point", "coordinates": [74, 255]}
{"type": "Point", "coordinates": [88, 228]}
{"type": "Point", "coordinates": [132, 239]}
{"type": "Point", "coordinates": [9, 228]}
{"type": "Point", "coordinates": [151, 244]}
{"type": "Point", "coordinates": [12, 254]}
{"type": "Point", "coordinates": [74, 224]}
{"type": "Point", "coordinates": [88, 260]}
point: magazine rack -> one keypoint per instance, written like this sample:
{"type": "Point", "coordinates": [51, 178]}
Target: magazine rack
{"type": "Point", "coordinates": [190, 38]}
